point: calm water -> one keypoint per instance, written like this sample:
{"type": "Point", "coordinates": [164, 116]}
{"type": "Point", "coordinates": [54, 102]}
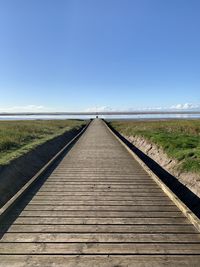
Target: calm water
{"type": "Point", "coordinates": [131, 117]}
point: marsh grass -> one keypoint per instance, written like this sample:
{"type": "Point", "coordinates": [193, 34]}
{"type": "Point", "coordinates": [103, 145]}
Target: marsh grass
{"type": "Point", "coordinates": [180, 139]}
{"type": "Point", "coordinates": [19, 137]}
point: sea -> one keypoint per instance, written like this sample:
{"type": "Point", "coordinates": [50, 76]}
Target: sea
{"type": "Point", "coordinates": [121, 117]}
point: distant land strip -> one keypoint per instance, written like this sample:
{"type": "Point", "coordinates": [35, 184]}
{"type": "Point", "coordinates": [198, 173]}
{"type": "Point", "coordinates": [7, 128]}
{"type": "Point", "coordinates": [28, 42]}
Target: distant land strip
{"type": "Point", "coordinates": [97, 113]}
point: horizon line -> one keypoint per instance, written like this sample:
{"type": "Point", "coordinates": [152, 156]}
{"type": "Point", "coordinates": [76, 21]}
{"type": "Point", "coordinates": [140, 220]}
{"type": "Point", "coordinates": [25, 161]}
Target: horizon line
{"type": "Point", "coordinates": [97, 113]}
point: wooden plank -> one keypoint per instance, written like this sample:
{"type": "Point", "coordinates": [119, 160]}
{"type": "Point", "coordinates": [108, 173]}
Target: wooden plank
{"type": "Point", "coordinates": [97, 214]}
{"type": "Point", "coordinates": [100, 248]}
{"type": "Point", "coordinates": [106, 190]}
{"type": "Point", "coordinates": [97, 179]}
{"type": "Point", "coordinates": [100, 186]}
{"type": "Point", "coordinates": [99, 260]}
{"type": "Point", "coordinates": [100, 238]}
{"type": "Point", "coordinates": [101, 193]}
{"type": "Point", "coordinates": [103, 228]}
{"type": "Point", "coordinates": [99, 182]}
{"type": "Point", "coordinates": [101, 202]}
{"type": "Point", "coordinates": [97, 221]}
{"type": "Point", "coordinates": [106, 198]}
{"type": "Point", "coordinates": [127, 208]}
{"type": "Point", "coordinates": [135, 172]}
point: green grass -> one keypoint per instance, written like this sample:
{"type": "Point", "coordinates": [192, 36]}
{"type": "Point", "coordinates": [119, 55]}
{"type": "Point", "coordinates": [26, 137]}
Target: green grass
{"type": "Point", "coordinates": [180, 139]}
{"type": "Point", "coordinates": [19, 137]}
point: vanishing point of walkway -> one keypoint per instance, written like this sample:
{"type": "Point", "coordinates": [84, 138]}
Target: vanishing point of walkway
{"type": "Point", "coordinates": [98, 208]}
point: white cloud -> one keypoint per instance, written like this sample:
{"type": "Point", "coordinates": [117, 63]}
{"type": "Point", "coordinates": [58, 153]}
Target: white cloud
{"type": "Point", "coordinates": [185, 106]}
{"type": "Point", "coordinates": [108, 108]}
{"type": "Point", "coordinates": [41, 108]}
{"type": "Point", "coordinates": [99, 109]}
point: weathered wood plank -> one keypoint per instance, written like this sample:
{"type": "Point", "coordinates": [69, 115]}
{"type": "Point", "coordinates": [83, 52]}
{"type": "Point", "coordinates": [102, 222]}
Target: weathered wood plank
{"type": "Point", "coordinates": [86, 181]}
{"type": "Point", "coordinates": [97, 186]}
{"type": "Point", "coordinates": [103, 228]}
{"type": "Point", "coordinates": [105, 197]}
{"type": "Point", "coordinates": [100, 248]}
{"type": "Point", "coordinates": [108, 221]}
{"type": "Point", "coordinates": [99, 260]}
{"type": "Point", "coordinates": [127, 208]}
{"type": "Point", "coordinates": [101, 193]}
{"type": "Point", "coordinates": [101, 202]}
{"type": "Point", "coordinates": [97, 214]}
{"type": "Point", "coordinates": [100, 237]}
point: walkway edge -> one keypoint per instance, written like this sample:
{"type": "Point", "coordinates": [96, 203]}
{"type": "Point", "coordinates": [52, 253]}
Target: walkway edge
{"type": "Point", "coordinates": [184, 209]}
{"type": "Point", "coordinates": [23, 190]}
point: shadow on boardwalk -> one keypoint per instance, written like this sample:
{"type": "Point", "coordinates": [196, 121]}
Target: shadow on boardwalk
{"type": "Point", "coordinates": [7, 219]}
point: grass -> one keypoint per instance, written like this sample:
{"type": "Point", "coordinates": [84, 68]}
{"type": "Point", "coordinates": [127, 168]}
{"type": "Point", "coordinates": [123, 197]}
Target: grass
{"type": "Point", "coordinates": [19, 137]}
{"type": "Point", "coordinates": [180, 139]}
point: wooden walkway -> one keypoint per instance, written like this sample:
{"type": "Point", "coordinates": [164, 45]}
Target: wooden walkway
{"type": "Point", "coordinates": [98, 208]}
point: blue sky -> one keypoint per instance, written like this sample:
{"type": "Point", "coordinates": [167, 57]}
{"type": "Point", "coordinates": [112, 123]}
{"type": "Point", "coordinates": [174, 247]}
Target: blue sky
{"type": "Point", "coordinates": [115, 54]}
